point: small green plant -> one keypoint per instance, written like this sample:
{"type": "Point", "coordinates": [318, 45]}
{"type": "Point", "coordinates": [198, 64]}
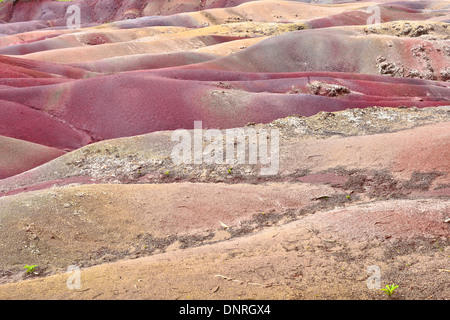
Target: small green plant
{"type": "Point", "coordinates": [167, 173]}
{"type": "Point", "coordinates": [30, 269]}
{"type": "Point", "coordinates": [229, 170]}
{"type": "Point", "coordinates": [390, 289]}
{"type": "Point", "coordinates": [348, 197]}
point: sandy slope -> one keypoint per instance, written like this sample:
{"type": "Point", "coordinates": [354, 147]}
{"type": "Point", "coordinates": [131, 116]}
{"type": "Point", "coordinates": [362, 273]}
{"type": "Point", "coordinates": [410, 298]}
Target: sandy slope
{"type": "Point", "coordinates": [18, 156]}
{"type": "Point", "coordinates": [330, 199]}
{"type": "Point", "coordinates": [146, 158]}
{"type": "Point", "coordinates": [156, 101]}
{"type": "Point", "coordinates": [303, 259]}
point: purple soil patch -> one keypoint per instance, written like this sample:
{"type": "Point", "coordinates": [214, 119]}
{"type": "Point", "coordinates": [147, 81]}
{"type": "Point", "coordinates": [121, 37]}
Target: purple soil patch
{"type": "Point", "coordinates": [140, 102]}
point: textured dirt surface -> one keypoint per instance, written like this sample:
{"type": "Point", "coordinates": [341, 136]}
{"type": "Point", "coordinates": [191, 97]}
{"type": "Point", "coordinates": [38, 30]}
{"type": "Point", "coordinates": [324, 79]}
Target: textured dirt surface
{"type": "Point", "coordinates": [18, 156]}
{"type": "Point", "coordinates": [343, 203]}
{"type": "Point", "coordinates": [304, 259]}
{"type": "Point", "coordinates": [88, 178]}
{"type": "Point", "coordinates": [164, 63]}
